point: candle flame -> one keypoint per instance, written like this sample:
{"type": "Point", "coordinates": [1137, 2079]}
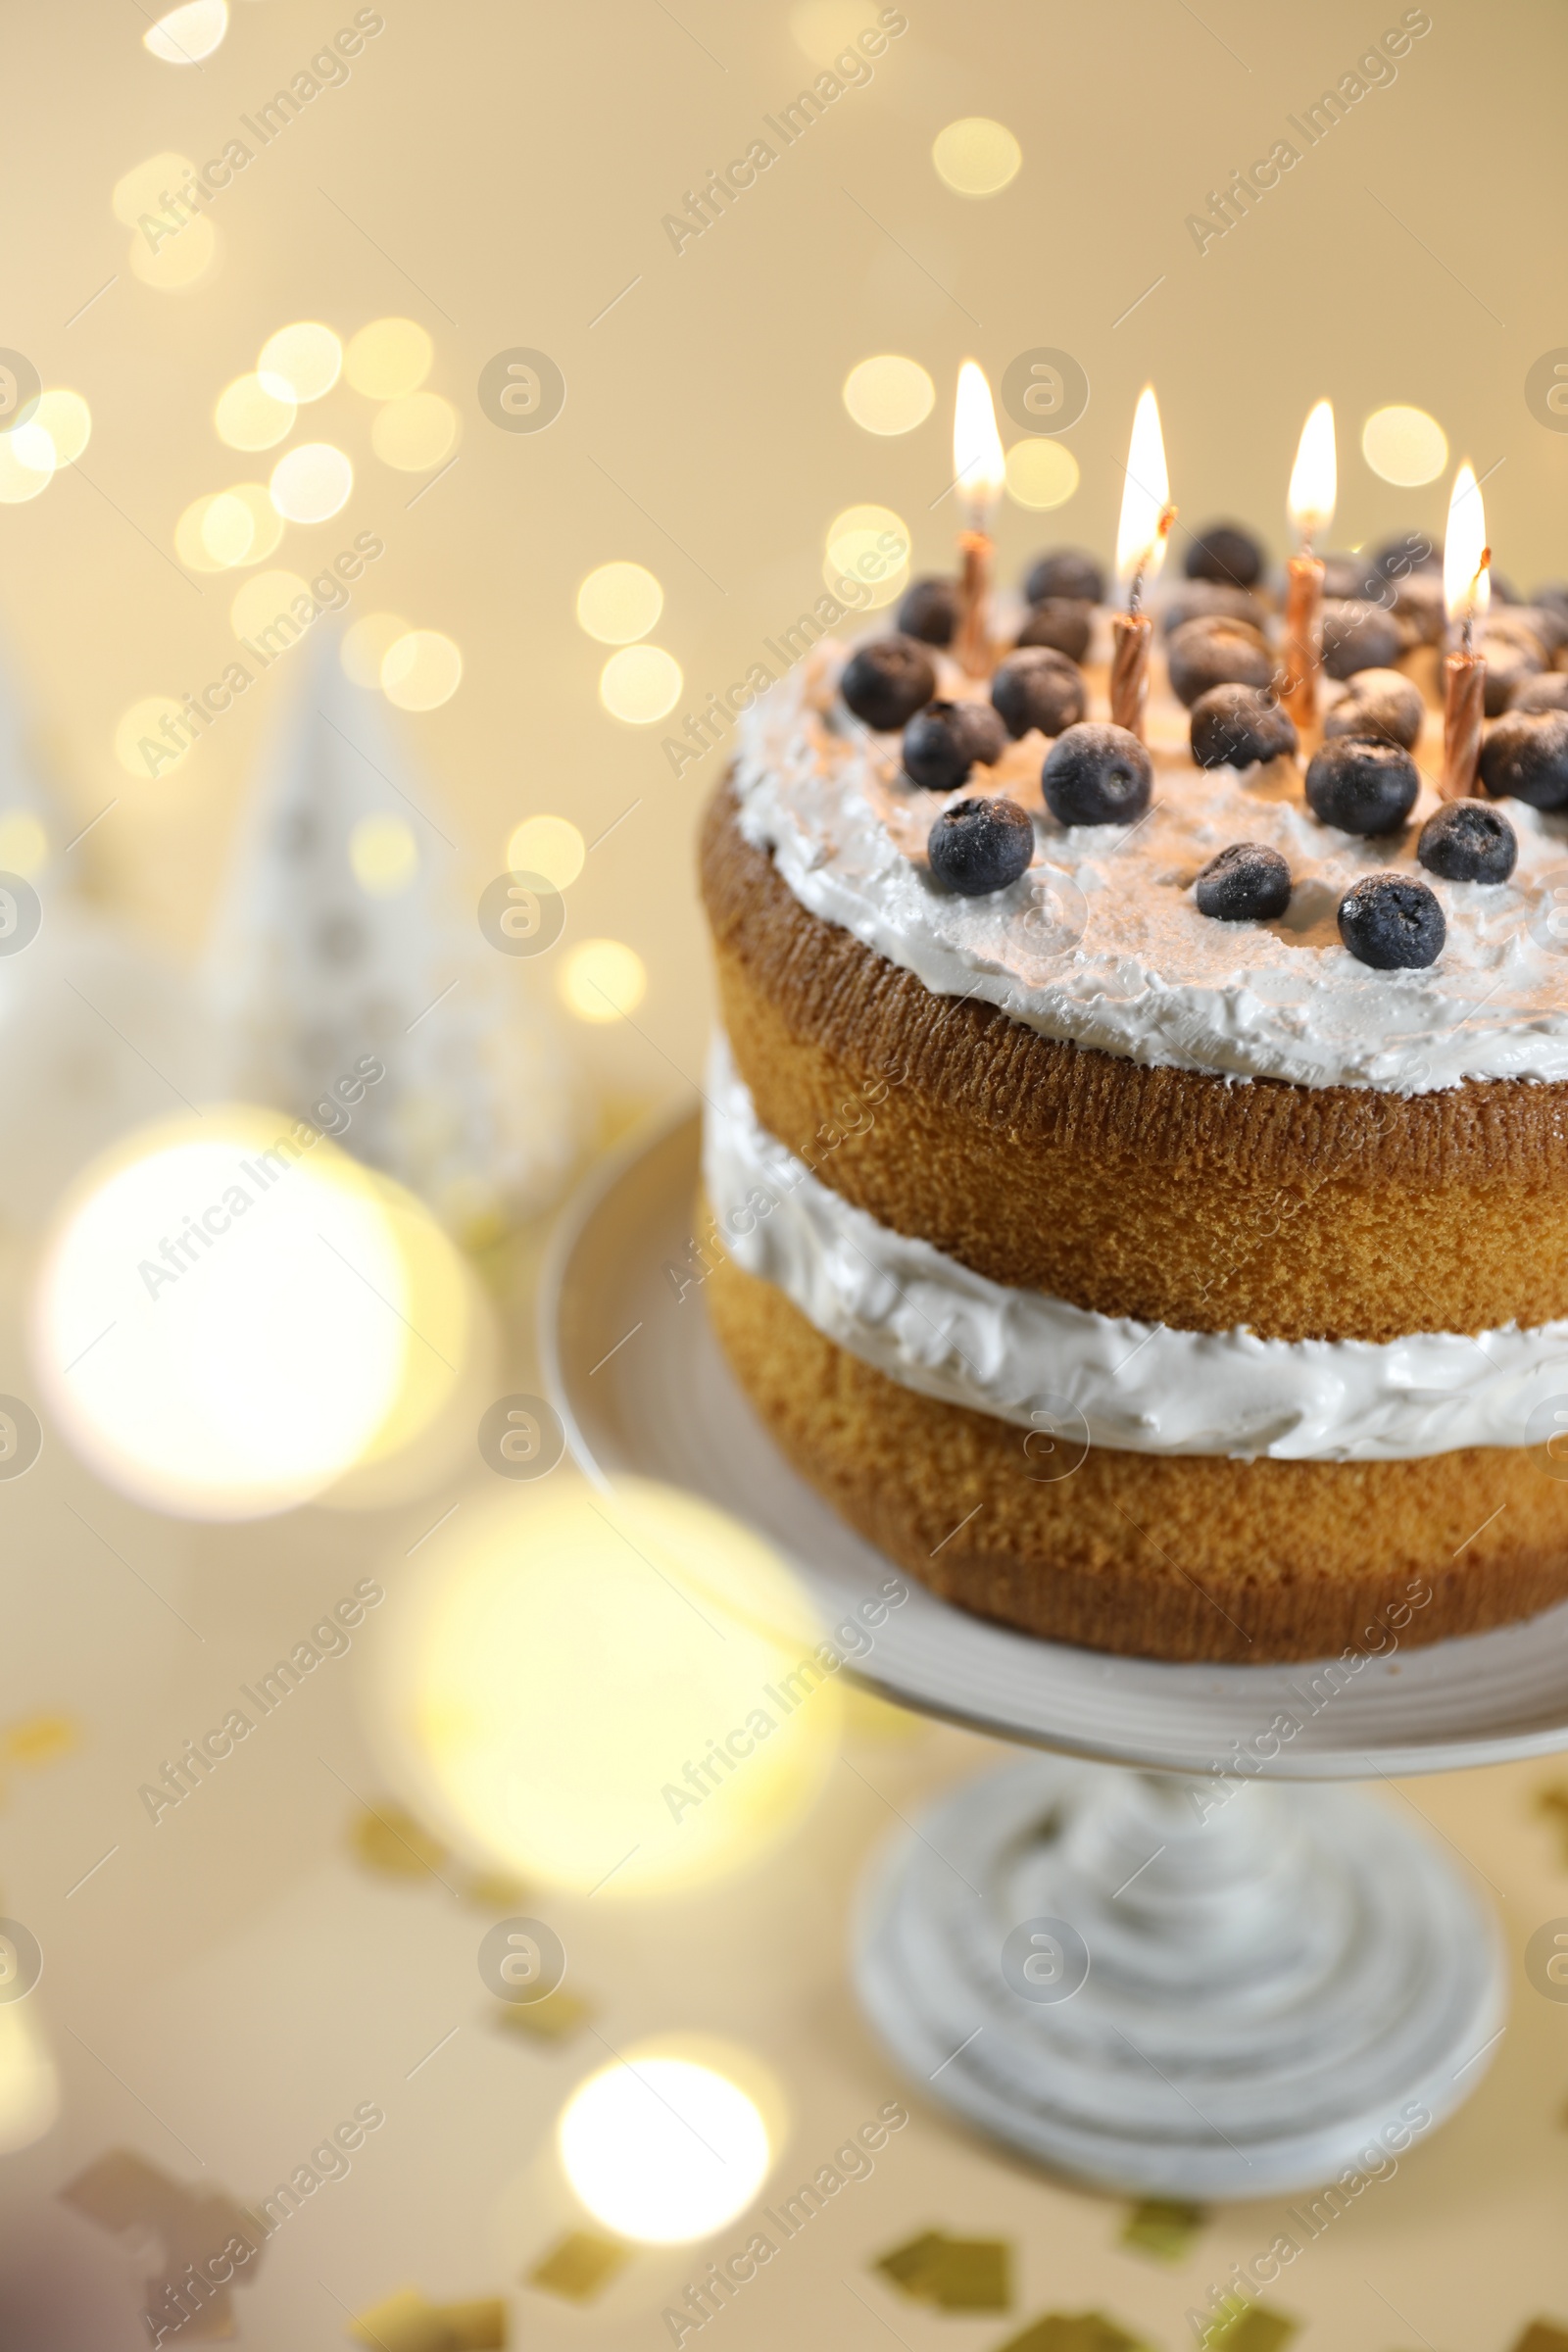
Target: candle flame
{"type": "Point", "coordinates": [1466, 556]}
{"type": "Point", "coordinates": [1314, 478]}
{"type": "Point", "coordinates": [978, 464]}
{"type": "Point", "coordinates": [1145, 495]}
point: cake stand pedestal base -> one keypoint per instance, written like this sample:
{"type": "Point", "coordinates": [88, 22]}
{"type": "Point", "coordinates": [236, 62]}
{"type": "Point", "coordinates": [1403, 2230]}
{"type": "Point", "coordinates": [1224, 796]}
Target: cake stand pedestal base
{"type": "Point", "coordinates": [1282, 1983]}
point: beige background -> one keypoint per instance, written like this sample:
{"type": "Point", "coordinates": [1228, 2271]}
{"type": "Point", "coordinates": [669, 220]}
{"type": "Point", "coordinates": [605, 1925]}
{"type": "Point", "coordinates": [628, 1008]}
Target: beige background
{"type": "Point", "coordinates": [232, 1978]}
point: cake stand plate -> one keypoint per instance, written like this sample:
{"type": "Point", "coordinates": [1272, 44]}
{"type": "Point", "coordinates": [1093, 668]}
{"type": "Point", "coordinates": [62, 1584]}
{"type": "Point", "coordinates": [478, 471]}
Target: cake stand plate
{"type": "Point", "coordinates": [1173, 1985]}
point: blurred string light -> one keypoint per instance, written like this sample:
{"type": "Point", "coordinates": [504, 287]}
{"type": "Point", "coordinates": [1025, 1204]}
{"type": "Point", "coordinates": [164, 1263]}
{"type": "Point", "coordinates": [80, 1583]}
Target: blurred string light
{"type": "Point", "coordinates": [618, 602]}
{"type": "Point", "coordinates": [144, 719]}
{"type": "Point", "coordinates": [415, 432]}
{"type": "Point", "coordinates": [185, 35]}
{"type": "Point", "coordinates": [384, 856]}
{"type": "Point", "coordinates": [1404, 446]}
{"type": "Point", "coordinates": [889, 394]}
{"type": "Point", "coordinates": [551, 846]}
{"type": "Point", "coordinates": [863, 544]}
{"type": "Point", "coordinates": [387, 358]}
{"type": "Point", "coordinates": [179, 260]}
{"type": "Point", "coordinates": [421, 670]}
{"type": "Point", "coordinates": [302, 362]}
{"type": "Point", "coordinates": [602, 980]}
{"type": "Point", "coordinates": [311, 483]}
{"type": "Point", "coordinates": [231, 1315]}
{"type": "Point", "coordinates": [30, 2086]}
{"type": "Point", "coordinates": [55, 434]}
{"type": "Point", "coordinates": [367, 642]}
{"type": "Point", "coordinates": [640, 684]}
{"type": "Point", "coordinates": [228, 529]}
{"type": "Point", "coordinates": [663, 2149]}
{"type": "Point", "coordinates": [1041, 474]}
{"type": "Point", "coordinates": [574, 1689]}
{"type": "Point", "coordinates": [976, 156]}
{"type": "Point", "coordinates": [262, 599]}
{"type": "Point", "coordinates": [251, 414]}
{"type": "Point", "coordinates": [147, 186]}
{"type": "Point", "coordinates": [24, 844]}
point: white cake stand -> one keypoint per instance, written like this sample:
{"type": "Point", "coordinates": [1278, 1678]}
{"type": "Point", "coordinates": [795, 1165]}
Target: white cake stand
{"type": "Point", "coordinates": [1156, 1978]}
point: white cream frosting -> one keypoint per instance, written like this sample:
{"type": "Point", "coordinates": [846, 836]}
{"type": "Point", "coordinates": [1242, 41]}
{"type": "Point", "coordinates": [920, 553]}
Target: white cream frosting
{"type": "Point", "coordinates": [935, 1326]}
{"type": "Point", "coordinates": [1101, 940]}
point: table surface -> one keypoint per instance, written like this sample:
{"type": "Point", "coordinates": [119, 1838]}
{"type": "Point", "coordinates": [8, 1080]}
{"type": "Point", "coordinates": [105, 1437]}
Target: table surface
{"type": "Point", "coordinates": [228, 1985]}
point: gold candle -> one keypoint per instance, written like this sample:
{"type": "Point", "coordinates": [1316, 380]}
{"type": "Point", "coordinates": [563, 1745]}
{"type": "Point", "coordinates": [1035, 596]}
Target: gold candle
{"type": "Point", "coordinates": [979, 470]}
{"type": "Point", "coordinates": [1314, 488]}
{"type": "Point", "coordinates": [1467, 592]}
{"type": "Point", "coordinates": [1147, 516]}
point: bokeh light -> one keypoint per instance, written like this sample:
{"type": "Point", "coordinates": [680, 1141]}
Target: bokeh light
{"type": "Point", "coordinates": [553, 1688]}
{"type": "Point", "coordinates": [24, 843]}
{"type": "Point", "coordinates": [602, 980]}
{"type": "Point", "coordinates": [822, 28]}
{"type": "Point", "coordinates": [67, 420]}
{"type": "Point", "coordinates": [227, 529]}
{"type": "Point", "coordinates": [1404, 446]}
{"type": "Point", "coordinates": [27, 465]}
{"type": "Point", "coordinates": [421, 670]}
{"type": "Point", "coordinates": [143, 188]}
{"type": "Point", "coordinates": [640, 684]}
{"type": "Point", "coordinates": [1041, 473]}
{"type": "Point", "coordinates": [267, 523]}
{"type": "Point", "coordinates": [663, 2149]}
{"type": "Point", "coordinates": [551, 846]}
{"type": "Point", "coordinates": [143, 725]}
{"type": "Point", "coordinates": [187, 35]}
{"type": "Point", "coordinates": [305, 359]}
{"type": "Point", "coordinates": [415, 432]}
{"type": "Point", "coordinates": [889, 394]}
{"type": "Point", "coordinates": [871, 545]}
{"type": "Point", "coordinates": [264, 600]}
{"type": "Point", "coordinates": [220, 1322]}
{"type": "Point", "coordinates": [312, 483]}
{"type": "Point", "coordinates": [30, 2086]}
{"type": "Point", "coordinates": [367, 642]}
{"type": "Point", "coordinates": [384, 856]}
{"type": "Point", "coordinates": [388, 358]}
{"type": "Point", "coordinates": [250, 415]}
{"type": "Point", "coordinates": [975, 156]}
{"type": "Point", "coordinates": [618, 602]}
{"type": "Point", "coordinates": [179, 260]}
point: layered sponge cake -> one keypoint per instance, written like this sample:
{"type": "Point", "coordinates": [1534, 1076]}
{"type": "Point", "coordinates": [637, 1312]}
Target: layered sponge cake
{"type": "Point", "coordinates": [1142, 1173]}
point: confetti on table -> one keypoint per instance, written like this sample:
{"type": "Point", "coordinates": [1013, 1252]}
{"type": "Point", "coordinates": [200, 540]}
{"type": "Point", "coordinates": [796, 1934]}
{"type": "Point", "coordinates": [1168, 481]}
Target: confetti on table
{"type": "Point", "coordinates": [1163, 2226]}
{"type": "Point", "coordinates": [553, 2019]}
{"type": "Point", "coordinates": [173, 2229]}
{"type": "Point", "coordinates": [1074, 2331]}
{"type": "Point", "coordinates": [406, 2323]}
{"type": "Point", "coordinates": [1543, 2336]}
{"type": "Point", "coordinates": [1243, 2326]}
{"type": "Point", "coordinates": [579, 2265]}
{"type": "Point", "coordinates": [491, 1891]}
{"type": "Point", "coordinates": [1553, 1801]}
{"type": "Point", "coordinates": [956, 2274]}
{"type": "Point", "coordinates": [35, 1740]}
{"type": "Point", "coordinates": [391, 1843]}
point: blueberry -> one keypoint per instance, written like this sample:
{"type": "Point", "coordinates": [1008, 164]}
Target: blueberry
{"type": "Point", "coordinates": [1548, 693]}
{"type": "Point", "coordinates": [1525, 757]}
{"type": "Point", "coordinates": [1543, 626]}
{"type": "Point", "coordinates": [1362, 784]}
{"type": "Point", "coordinates": [1038, 687]}
{"type": "Point", "coordinates": [1247, 883]}
{"type": "Point", "coordinates": [1062, 621]}
{"type": "Point", "coordinates": [887, 681]}
{"type": "Point", "coordinates": [976, 847]}
{"type": "Point", "coordinates": [1552, 592]}
{"type": "Point", "coordinates": [1509, 664]}
{"type": "Point", "coordinates": [1097, 775]}
{"type": "Point", "coordinates": [1208, 600]}
{"type": "Point", "coordinates": [1235, 726]}
{"type": "Point", "coordinates": [1216, 653]}
{"type": "Point", "coordinates": [1225, 551]}
{"type": "Point", "coordinates": [1503, 591]}
{"type": "Point", "coordinates": [1468, 842]}
{"type": "Point", "coordinates": [929, 610]}
{"type": "Point", "coordinates": [1379, 701]}
{"type": "Point", "coordinates": [1417, 605]}
{"type": "Point", "coordinates": [943, 741]}
{"type": "Point", "coordinates": [1397, 558]}
{"type": "Point", "coordinates": [1393, 922]}
{"type": "Point", "coordinates": [1346, 577]}
{"type": "Point", "coordinates": [1358, 636]}
{"type": "Point", "coordinates": [1064, 572]}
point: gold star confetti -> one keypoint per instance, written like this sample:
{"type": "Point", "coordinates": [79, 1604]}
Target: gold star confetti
{"type": "Point", "coordinates": [1553, 1802]}
{"type": "Point", "coordinates": [956, 2274]}
{"type": "Point", "coordinates": [1163, 2226]}
{"type": "Point", "coordinates": [406, 2323]}
{"type": "Point", "coordinates": [579, 2265]}
{"type": "Point", "coordinates": [553, 2019]}
{"type": "Point", "coordinates": [1542, 2335]}
{"type": "Point", "coordinates": [1241, 2326]}
{"type": "Point", "coordinates": [391, 1843]}
{"type": "Point", "coordinates": [1074, 2331]}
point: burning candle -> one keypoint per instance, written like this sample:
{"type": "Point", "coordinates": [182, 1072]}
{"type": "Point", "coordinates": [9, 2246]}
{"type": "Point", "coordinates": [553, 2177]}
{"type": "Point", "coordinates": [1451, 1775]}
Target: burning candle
{"type": "Point", "coordinates": [1467, 592]}
{"type": "Point", "coordinates": [980, 470]}
{"type": "Point", "coordinates": [1314, 486]}
{"type": "Point", "coordinates": [1147, 516]}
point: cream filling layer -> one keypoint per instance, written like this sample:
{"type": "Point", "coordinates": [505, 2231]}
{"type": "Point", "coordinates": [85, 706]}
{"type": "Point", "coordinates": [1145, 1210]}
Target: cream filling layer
{"type": "Point", "coordinates": [935, 1326]}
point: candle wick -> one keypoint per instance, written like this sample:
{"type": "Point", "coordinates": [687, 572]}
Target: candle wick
{"type": "Point", "coordinates": [1135, 594]}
